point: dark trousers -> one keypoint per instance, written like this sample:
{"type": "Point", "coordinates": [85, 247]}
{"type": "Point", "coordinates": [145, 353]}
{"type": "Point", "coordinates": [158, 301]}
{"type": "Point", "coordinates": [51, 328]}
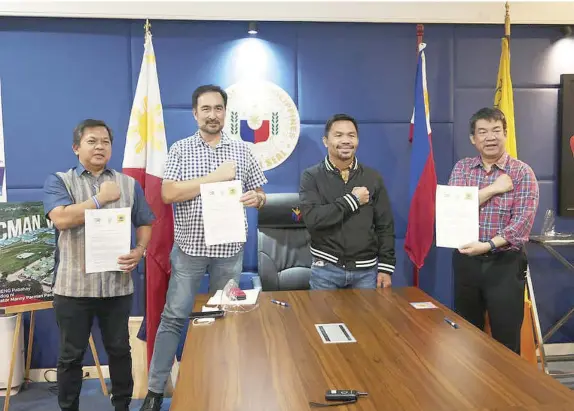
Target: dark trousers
{"type": "Point", "coordinates": [75, 317]}
{"type": "Point", "coordinates": [495, 283]}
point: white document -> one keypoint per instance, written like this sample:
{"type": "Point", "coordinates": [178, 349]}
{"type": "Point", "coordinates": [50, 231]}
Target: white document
{"type": "Point", "coordinates": [456, 216]}
{"type": "Point", "coordinates": [223, 213]}
{"type": "Point", "coordinates": [220, 298]}
{"type": "Point", "coordinates": [335, 333]}
{"type": "Point", "coordinates": [424, 306]}
{"type": "Point", "coordinates": [108, 236]}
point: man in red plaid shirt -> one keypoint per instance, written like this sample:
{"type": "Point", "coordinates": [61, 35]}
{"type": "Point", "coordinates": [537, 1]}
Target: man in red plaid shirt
{"type": "Point", "coordinates": [489, 274]}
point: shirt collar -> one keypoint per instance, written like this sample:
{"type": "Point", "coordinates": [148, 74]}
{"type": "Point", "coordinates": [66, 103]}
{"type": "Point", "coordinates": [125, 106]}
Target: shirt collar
{"type": "Point", "coordinates": [501, 163]}
{"type": "Point", "coordinates": [225, 140]}
{"type": "Point", "coordinates": [331, 167]}
{"type": "Point", "coordinates": [80, 169]}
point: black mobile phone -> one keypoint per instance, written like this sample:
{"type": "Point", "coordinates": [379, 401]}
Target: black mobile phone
{"type": "Point", "coordinates": [207, 314]}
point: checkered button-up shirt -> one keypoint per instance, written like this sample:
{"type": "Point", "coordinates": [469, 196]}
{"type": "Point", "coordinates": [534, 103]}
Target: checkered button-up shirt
{"type": "Point", "coordinates": [192, 158]}
{"type": "Point", "coordinates": [509, 215]}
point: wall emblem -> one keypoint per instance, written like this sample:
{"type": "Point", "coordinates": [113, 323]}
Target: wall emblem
{"type": "Point", "coordinates": [264, 116]}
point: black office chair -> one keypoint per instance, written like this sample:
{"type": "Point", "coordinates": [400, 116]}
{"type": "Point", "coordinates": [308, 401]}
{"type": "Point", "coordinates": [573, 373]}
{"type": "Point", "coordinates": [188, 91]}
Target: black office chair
{"type": "Point", "coordinates": [283, 254]}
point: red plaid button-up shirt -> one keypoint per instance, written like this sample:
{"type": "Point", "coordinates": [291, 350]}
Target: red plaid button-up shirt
{"type": "Point", "coordinates": [509, 215]}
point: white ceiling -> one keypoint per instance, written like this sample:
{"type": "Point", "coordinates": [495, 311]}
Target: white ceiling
{"type": "Point", "coordinates": [486, 12]}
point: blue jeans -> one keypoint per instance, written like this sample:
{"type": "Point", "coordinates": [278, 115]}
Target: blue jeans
{"type": "Point", "coordinates": [186, 275]}
{"type": "Point", "coordinates": [327, 276]}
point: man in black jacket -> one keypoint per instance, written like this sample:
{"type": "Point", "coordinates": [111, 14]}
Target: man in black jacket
{"type": "Point", "coordinates": [346, 209]}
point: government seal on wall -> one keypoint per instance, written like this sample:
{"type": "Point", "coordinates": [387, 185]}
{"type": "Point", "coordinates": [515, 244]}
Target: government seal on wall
{"type": "Point", "coordinates": [264, 116]}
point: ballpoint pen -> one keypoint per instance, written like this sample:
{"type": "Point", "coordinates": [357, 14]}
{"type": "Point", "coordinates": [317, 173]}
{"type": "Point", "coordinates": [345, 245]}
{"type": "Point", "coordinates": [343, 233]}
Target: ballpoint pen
{"type": "Point", "coordinates": [280, 303]}
{"type": "Point", "coordinates": [451, 322]}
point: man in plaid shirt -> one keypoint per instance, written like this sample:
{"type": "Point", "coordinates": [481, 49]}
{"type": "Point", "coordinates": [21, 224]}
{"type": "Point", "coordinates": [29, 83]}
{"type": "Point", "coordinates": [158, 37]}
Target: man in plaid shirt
{"type": "Point", "coordinates": [489, 274]}
{"type": "Point", "coordinates": [208, 156]}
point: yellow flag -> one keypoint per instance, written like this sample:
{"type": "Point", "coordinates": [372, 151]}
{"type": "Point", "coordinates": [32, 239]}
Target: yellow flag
{"type": "Point", "coordinates": [504, 99]}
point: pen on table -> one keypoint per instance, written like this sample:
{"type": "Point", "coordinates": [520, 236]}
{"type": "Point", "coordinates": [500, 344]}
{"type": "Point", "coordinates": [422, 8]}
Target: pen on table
{"type": "Point", "coordinates": [280, 303]}
{"type": "Point", "coordinates": [451, 322]}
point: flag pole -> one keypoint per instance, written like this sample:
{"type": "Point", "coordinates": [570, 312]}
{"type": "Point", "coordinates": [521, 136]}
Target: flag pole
{"type": "Point", "coordinates": [147, 32]}
{"type": "Point", "coordinates": [507, 21]}
{"type": "Point", "coordinates": [420, 35]}
{"type": "Point", "coordinates": [528, 352]}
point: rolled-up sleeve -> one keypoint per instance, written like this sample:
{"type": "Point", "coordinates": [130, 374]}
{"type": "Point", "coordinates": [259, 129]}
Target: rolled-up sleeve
{"type": "Point", "coordinates": [141, 211]}
{"type": "Point", "coordinates": [55, 194]}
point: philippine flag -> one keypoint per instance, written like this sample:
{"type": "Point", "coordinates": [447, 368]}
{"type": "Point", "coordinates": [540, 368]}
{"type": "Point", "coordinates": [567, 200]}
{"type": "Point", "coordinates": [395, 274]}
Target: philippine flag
{"type": "Point", "coordinates": [144, 159]}
{"type": "Point", "coordinates": [423, 181]}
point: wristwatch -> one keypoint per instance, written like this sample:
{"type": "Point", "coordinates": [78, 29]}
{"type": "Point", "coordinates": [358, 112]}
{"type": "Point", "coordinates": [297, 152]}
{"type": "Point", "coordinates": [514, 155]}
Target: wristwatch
{"type": "Point", "coordinates": [492, 245]}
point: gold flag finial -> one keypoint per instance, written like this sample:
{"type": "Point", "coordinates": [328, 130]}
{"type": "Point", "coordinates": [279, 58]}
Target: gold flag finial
{"type": "Point", "coordinates": [507, 20]}
{"type": "Point", "coordinates": [147, 27]}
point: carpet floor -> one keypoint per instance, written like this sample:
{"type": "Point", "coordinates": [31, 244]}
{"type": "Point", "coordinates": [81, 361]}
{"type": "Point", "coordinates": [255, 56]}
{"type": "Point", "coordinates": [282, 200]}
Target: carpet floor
{"type": "Point", "coordinates": [42, 397]}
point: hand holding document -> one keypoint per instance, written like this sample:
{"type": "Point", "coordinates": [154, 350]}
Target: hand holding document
{"type": "Point", "coordinates": [223, 213]}
{"type": "Point", "coordinates": [108, 236]}
{"type": "Point", "coordinates": [456, 216]}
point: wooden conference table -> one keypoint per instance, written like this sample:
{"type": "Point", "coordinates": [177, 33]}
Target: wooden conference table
{"type": "Point", "coordinates": [272, 358]}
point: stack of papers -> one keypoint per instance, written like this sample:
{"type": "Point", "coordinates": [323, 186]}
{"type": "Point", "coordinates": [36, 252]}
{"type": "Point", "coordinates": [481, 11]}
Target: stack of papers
{"type": "Point", "coordinates": [220, 299]}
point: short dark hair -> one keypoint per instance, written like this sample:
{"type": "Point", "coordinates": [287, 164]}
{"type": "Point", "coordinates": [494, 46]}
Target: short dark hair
{"type": "Point", "coordinates": [487, 113]}
{"type": "Point", "coordinates": [208, 88]}
{"type": "Point", "coordinates": [89, 123]}
{"type": "Point", "coordinates": [340, 117]}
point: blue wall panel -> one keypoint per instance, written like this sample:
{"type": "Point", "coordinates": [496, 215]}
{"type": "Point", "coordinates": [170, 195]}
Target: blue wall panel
{"type": "Point", "coordinates": [53, 76]}
{"type": "Point", "coordinates": [56, 72]}
{"type": "Point", "coordinates": [336, 60]}
{"type": "Point", "coordinates": [192, 53]}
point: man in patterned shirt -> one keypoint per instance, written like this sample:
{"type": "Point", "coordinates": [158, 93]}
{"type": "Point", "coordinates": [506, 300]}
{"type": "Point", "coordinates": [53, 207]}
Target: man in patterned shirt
{"type": "Point", "coordinates": [208, 156]}
{"type": "Point", "coordinates": [489, 274]}
{"type": "Point", "coordinates": [81, 296]}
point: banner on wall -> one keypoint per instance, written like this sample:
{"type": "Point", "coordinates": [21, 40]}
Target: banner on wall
{"type": "Point", "coordinates": [264, 116]}
{"type": "Point", "coordinates": [27, 245]}
{"type": "Point", "coordinates": [2, 158]}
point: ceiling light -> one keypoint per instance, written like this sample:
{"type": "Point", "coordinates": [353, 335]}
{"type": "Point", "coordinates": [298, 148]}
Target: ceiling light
{"type": "Point", "coordinates": [252, 28]}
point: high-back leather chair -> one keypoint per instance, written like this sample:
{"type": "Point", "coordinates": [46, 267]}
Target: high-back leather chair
{"type": "Point", "coordinates": [283, 255]}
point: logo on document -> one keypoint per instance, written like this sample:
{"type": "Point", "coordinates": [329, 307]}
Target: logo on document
{"type": "Point", "coordinates": [232, 191]}
{"type": "Point", "coordinates": [296, 214]}
{"type": "Point", "coordinates": [121, 218]}
{"type": "Point", "coordinates": [264, 116]}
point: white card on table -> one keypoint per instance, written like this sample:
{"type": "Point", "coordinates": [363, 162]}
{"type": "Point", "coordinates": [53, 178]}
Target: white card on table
{"type": "Point", "coordinates": [335, 333]}
{"type": "Point", "coordinates": [424, 306]}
